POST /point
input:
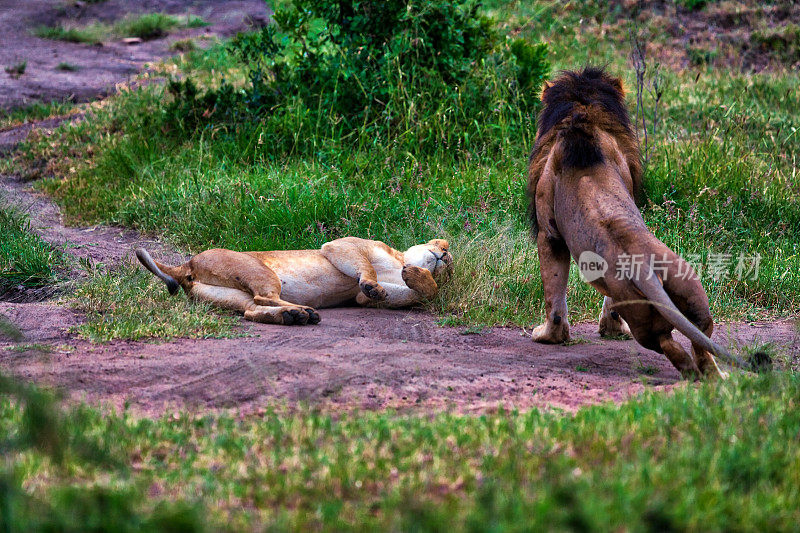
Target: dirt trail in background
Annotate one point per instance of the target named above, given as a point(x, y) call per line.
point(355, 358)
point(101, 244)
point(99, 67)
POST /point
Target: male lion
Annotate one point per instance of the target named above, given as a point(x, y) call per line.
point(284, 287)
point(583, 175)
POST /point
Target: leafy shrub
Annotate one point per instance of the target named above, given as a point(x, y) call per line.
point(692, 5)
point(420, 74)
point(783, 42)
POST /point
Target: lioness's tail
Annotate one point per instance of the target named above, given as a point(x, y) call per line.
point(159, 270)
point(656, 294)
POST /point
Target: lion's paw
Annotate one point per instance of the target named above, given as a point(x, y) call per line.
point(550, 333)
point(294, 316)
point(418, 279)
point(612, 325)
point(313, 316)
point(373, 290)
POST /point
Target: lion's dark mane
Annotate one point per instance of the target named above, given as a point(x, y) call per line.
point(565, 115)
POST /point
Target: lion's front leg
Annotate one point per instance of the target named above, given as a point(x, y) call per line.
point(417, 285)
point(554, 264)
point(351, 260)
point(611, 324)
point(420, 280)
point(271, 312)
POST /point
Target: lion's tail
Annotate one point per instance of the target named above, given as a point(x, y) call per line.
point(165, 273)
point(656, 294)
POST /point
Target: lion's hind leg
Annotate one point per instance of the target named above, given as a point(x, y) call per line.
point(242, 302)
point(227, 269)
point(554, 262)
point(681, 360)
point(611, 324)
point(704, 360)
point(349, 257)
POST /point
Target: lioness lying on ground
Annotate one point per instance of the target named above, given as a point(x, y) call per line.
point(583, 175)
point(284, 287)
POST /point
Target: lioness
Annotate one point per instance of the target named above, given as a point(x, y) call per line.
point(284, 287)
point(583, 175)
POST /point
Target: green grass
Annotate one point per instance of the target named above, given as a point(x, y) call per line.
point(183, 45)
point(146, 26)
point(129, 303)
point(67, 67)
point(33, 112)
point(17, 69)
point(717, 184)
point(91, 33)
point(712, 457)
point(194, 21)
point(25, 259)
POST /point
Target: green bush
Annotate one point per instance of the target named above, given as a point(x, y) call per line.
point(418, 74)
point(692, 5)
point(782, 42)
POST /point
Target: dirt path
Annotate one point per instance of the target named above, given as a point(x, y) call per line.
point(355, 358)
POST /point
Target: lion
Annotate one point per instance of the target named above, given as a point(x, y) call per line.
point(584, 180)
point(286, 287)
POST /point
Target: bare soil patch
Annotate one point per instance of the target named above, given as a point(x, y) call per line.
point(736, 34)
point(100, 244)
point(355, 358)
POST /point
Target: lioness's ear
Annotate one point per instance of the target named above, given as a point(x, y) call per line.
point(545, 87)
point(619, 86)
point(441, 243)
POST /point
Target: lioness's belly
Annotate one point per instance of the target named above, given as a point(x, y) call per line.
point(307, 278)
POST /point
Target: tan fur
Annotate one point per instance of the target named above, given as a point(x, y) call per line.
point(594, 209)
point(286, 287)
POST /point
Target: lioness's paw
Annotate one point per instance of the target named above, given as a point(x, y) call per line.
point(373, 290)
point(313, 316)
point(294, 317)
point(419, 279)
point(551, 333)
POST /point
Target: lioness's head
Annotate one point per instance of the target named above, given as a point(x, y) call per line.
point(433, 255)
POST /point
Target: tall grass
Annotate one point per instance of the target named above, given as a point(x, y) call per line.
point(90, 34)
point(25, 259)
point(146, 26)
point(127, 303)
point(224, 189)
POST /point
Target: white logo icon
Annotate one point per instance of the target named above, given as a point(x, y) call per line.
point(591, 266)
